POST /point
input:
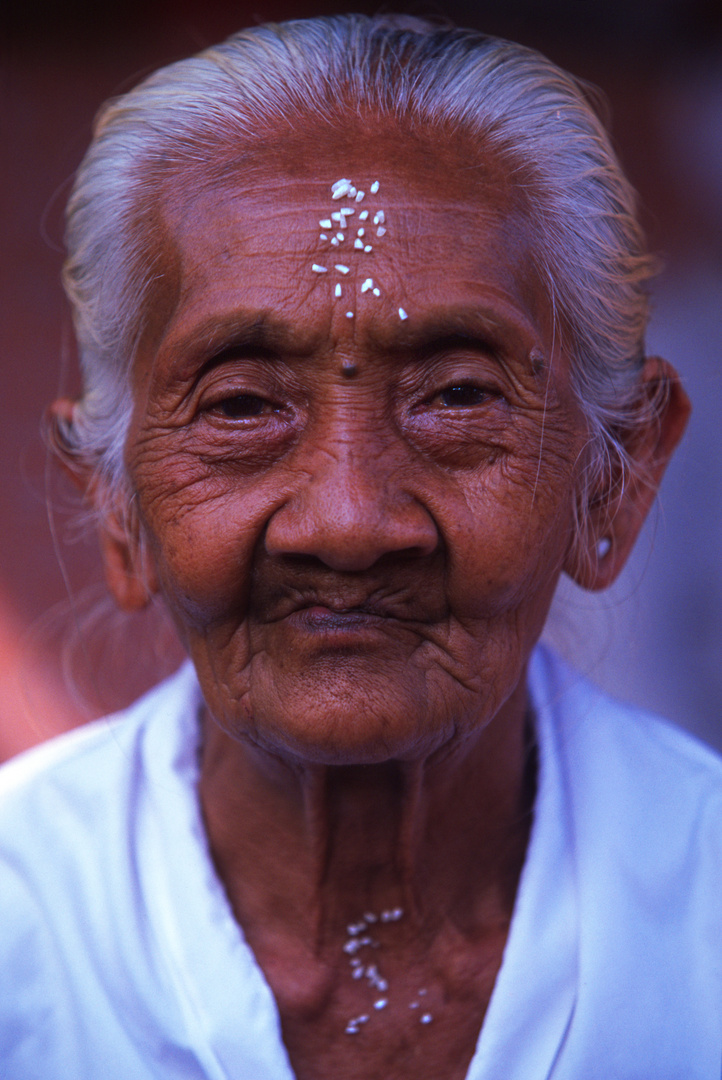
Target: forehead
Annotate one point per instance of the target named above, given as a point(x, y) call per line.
point(432, 224)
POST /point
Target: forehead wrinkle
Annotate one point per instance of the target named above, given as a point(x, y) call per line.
point(287, 213)
point(271, 221)
point(206, 281)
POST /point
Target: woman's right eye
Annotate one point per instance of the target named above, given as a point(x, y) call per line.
point(241, 406)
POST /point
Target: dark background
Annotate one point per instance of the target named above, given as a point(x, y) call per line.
point(657, 638)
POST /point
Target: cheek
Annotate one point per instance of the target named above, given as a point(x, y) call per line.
point(506, 545)
point(204, 537)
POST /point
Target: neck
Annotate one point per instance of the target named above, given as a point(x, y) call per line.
point(305, 849)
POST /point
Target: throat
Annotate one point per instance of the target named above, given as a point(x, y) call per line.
point(363, 823)
point(314, 847)
point(371, 895)
point(377, 898)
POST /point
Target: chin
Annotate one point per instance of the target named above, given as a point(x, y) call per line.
point(347, 730)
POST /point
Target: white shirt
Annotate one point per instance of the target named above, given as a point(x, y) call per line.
point(120, 958)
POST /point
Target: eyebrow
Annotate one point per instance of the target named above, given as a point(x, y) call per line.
point(263, 335)
point(216, 339)
point(471, 327)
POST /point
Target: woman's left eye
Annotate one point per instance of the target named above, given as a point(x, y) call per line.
point(462, 396)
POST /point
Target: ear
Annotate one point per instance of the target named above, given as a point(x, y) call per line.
point(614, 513)
point(128, 562)
point(129, 565)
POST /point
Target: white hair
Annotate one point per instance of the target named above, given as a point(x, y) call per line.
point(503, 97)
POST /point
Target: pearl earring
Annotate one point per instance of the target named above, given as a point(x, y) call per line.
point(604, 546)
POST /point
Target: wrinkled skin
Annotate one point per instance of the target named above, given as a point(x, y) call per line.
point(441, 527)
point(357, 525)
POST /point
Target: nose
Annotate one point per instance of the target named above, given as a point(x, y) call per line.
point(350, 510)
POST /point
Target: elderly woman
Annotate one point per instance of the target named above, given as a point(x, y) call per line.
point(361, 306)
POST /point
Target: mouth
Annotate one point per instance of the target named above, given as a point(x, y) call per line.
point(344, 606)
point(335, 604)
point(323, 617)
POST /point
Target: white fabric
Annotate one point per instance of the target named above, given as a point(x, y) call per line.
point(120, 959)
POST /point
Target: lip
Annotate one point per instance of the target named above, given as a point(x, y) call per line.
point(336, 605)
point(322, 617)
point(326, 607)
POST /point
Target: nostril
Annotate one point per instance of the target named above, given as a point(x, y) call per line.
point(348, 535)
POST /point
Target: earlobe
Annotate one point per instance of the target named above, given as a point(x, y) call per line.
point(129, 566)
point(612, 516)
point(128, 563)
point(59, 420)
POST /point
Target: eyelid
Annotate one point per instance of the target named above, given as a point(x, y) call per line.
point(489, 391)
point(488, 377)
point(228, 393)
point(268, 420)
point(250, 374)
point(210, 393)
point(252, 359)
point(270, 405)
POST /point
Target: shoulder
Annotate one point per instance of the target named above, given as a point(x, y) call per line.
point(75, 788)
point(579, 711)
point(75, 816)
point(626, 771)
point(112, 732)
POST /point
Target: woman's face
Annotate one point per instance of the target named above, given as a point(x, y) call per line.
point(357, 505)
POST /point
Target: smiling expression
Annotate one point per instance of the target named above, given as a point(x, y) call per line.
point(358, 522)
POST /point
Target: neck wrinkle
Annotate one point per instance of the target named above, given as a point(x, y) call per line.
point(305, 849)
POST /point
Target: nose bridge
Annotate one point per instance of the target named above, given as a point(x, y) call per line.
point(356, 478)
point(351, 505)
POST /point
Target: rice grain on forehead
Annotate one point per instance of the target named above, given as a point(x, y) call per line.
point(502, 96)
